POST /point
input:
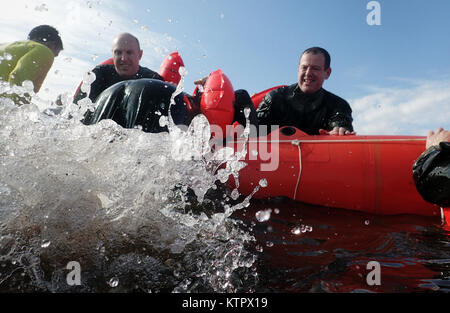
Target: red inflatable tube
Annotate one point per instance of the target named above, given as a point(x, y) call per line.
point(110, 61)
point(217, 102)
point(372, 174)
point(169, 69)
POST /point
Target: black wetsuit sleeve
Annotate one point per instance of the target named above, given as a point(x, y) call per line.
point(148, 73)
point(340, 114)
point(97, 86)
point(242, 101)
point(431, 173)
point(266, 111)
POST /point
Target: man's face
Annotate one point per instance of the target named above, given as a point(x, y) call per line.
point(311, 72)
point(126, 55)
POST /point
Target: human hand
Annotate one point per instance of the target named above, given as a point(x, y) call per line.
point(434, 138)
point(202, 81)
point(337, 131)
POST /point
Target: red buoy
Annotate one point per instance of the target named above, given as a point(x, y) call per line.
point(217, 102)
point(170, 66)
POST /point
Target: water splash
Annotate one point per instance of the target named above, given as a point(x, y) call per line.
point(125, 204)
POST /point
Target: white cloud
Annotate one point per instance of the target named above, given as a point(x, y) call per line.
point(87, 29)
point(403, 111)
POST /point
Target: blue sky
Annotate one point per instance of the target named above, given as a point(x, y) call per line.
point(396, 76)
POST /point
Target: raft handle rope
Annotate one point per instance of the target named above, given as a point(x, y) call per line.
point(297, 143)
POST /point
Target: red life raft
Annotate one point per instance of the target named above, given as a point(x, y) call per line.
point(363, 173)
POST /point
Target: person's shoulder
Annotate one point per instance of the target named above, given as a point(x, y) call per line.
point(15, 44)
point(282, 91)
point(104, 69)
point(145, 72)
point(39, 49)
point(334, 98)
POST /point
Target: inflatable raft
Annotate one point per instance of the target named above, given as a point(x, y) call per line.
point(372, 174)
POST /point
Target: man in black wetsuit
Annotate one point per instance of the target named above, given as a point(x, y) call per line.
point(126, 54)
point(431, 171)
point(306, 105)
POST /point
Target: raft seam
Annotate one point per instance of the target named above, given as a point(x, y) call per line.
point(339, 141)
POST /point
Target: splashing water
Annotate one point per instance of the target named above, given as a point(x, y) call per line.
point(137, 211)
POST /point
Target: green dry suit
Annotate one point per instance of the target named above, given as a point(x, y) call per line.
point(25, 60)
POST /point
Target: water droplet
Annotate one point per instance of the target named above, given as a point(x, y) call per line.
point(263, 215)
point(7, 56)
point(41, 8)
point(135, 21)
point(366, 222)
point(301, 229)
point(169, 20)
point(235, 194)
point(222, 16)
point(113, 282)
point(45, 243)
point(176, 273)
point(263, 182)
point(182, 71)
point(163, 121)
point(247, 112)
point(269, 244)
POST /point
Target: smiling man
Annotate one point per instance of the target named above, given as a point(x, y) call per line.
point(126, 56)
point(306, 105)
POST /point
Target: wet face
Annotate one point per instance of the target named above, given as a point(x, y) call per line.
point(126, 55)
point(312, 73)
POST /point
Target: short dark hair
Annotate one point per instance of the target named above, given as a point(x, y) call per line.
point(317, 50)
point(44, 34)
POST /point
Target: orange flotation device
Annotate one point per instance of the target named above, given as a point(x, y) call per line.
point(169, 69)
point(258, 97)
point(110, 61)
point(217, 102)
point(372, 174)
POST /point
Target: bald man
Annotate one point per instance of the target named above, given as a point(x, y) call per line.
point(126, 55)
